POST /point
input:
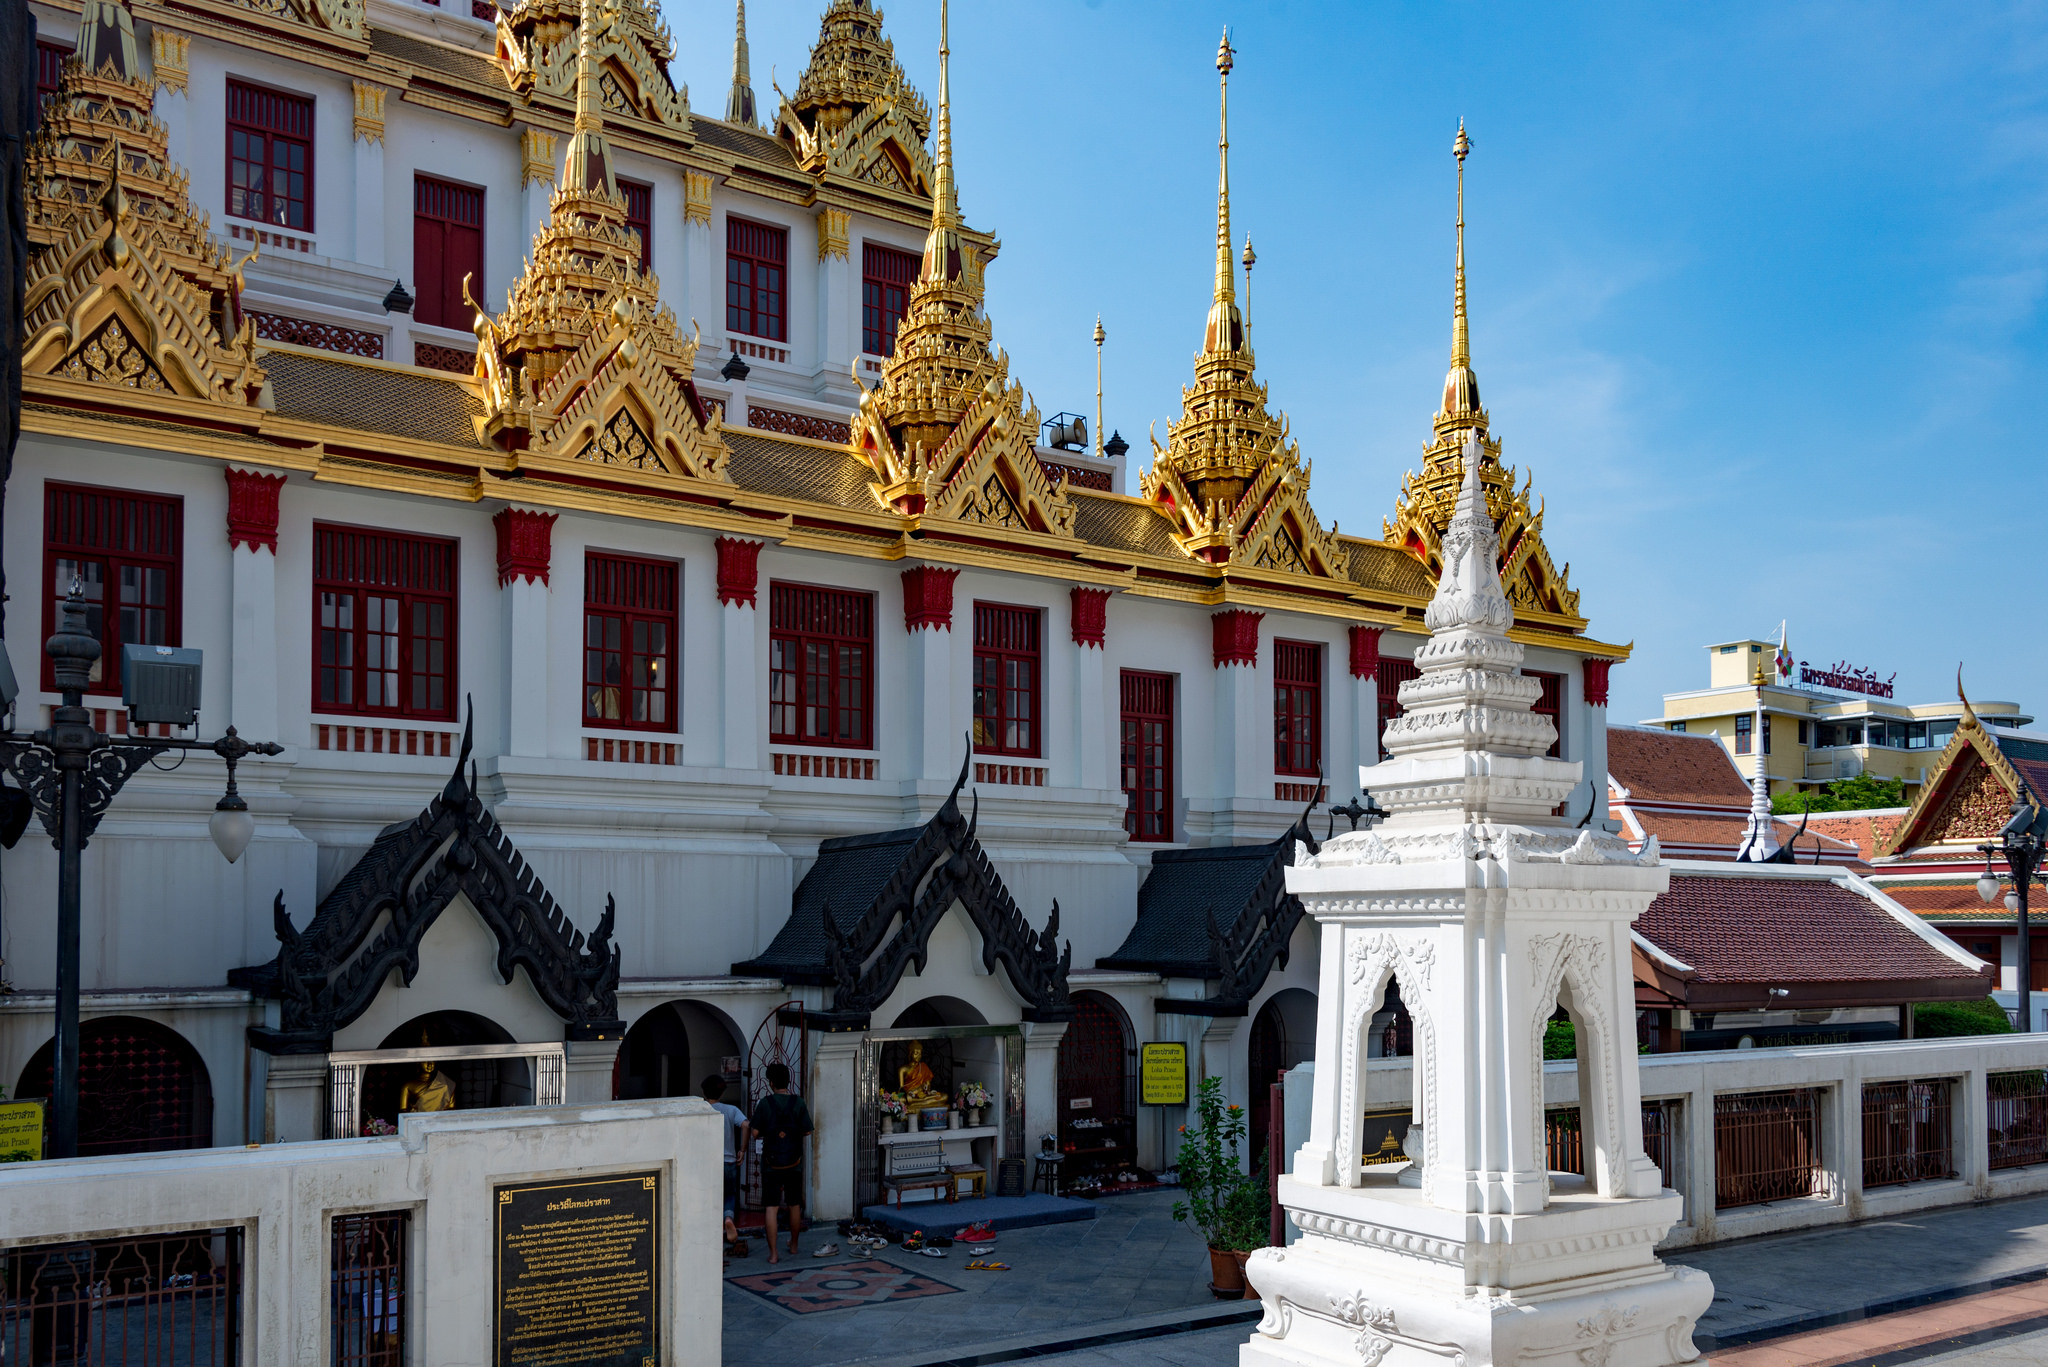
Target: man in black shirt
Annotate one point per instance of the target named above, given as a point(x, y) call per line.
point(781, 1122)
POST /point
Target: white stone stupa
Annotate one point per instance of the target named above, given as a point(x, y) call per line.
point(1492, 912)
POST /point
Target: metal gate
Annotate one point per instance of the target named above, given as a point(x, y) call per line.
point(781, 1039)
point(160, 1298)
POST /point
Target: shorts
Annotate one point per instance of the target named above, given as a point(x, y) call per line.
point(732, 1188)
point(782, 1186)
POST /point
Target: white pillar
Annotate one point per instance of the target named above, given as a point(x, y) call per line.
point(702, 297)
point(368, 203)
point(1041, 1080)
point(252, 656)
point(740, 685)
point(1243, 735)
point(587, 1070)
point(830, 1094)
point(837, 318)
point(928, 616)
point(525, 555)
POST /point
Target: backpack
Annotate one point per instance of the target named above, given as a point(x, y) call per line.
point(782, 1122)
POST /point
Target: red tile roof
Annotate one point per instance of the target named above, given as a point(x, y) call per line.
point(1659, 766)
point(1923, 897)
point(1685, 836)
point(1861, 829)
point(1787, 930)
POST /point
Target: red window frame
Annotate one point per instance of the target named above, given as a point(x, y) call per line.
point(447, 244)
point(1145, 754)
point(886, 277)
point(1550, 703)
point(113, 537)
point(1297, 708)
point(384, 623)
point(270, 155)
point(629, 642)
point(1007, 720)
point(49, 68)
point(1393, 672)
point(640, 217)
point(757, 279)
point(821, 674)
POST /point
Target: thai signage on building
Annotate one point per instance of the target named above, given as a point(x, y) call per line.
point(1847, 678)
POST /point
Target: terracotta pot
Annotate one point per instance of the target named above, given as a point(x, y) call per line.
point(1251, 1293)
point(1226, 1274)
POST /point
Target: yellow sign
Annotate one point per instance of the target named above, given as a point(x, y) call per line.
point(1163, 1074)
point(21, 1131)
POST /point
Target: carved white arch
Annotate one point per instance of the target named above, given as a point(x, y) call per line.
point(1371, 960)
point(1557, 960)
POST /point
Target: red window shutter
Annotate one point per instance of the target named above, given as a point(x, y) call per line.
point(820, 666)
point(1297, 708)
point(1550, 703)
point(629, 645)
point(1146, 754)
point(1393, 673)
point(640, 217)
point(886, 277)
point(1006, 675)
point(384, 612)
point(448, 243)
point(127, 551)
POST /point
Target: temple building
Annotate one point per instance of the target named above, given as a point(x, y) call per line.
point(686, 652)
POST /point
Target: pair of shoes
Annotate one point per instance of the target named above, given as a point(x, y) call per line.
point(939, 1241)
point(913, 1241)
point(826, 1251)
point(981, 1248)
point(987, 1265)
point(871, 1242)
point(980, 1232)
point(738, 1248)
point(933, 1252)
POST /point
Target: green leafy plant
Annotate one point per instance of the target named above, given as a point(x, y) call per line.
point(1229, 1206)
point(1857, 794)
point(1560, 1040)
point(1941, 1020)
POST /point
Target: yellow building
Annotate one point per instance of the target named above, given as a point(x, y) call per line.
point(1820, 723)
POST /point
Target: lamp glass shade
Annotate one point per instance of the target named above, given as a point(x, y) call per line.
point(2012, 901)
point(232, 829)
point(1987, 888)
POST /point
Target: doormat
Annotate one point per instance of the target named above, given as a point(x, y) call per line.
point(840, 1286)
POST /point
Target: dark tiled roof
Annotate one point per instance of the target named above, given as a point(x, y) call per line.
point(1660, 766)
point(472, 68)
point(2030, 757)
point(1171, 935)
point(1787, 930)
point(743, 142)
point(1376, 565)
point(1120, 524)
point(425, 406)
point(850, 874)
point(791, 469)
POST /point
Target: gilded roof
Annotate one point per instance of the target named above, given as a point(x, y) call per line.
point(426, 405)
point(1389, 569)
point(791, 469)
point(1125, 523)
point(472, 68)
point(744, 142)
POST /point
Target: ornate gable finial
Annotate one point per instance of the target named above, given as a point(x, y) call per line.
point(947, 432)
point(540, 51)
point(739, 105)
point(1423, 508)
point(126, 286)
point(854, 113)
point(584, 362)
point(1230, 479)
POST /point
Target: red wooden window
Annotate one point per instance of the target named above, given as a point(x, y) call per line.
point(886, 275)
point(1005, 680)
point(640, 217)
point(49, 68)
point(1297, 708)
point(1147, 754)
point(1392, 674)
point(270, 156)
point(384, 639)
point(629, 634)
point(125, 550)
point(821, 666)
point(1550, 703)
point(447, 244)
point(756, 264)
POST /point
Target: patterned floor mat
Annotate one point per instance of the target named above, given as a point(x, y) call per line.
point(840, 1286)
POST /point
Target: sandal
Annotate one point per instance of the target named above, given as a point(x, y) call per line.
point(826, 1251)
point(987, 1265)
point(933, 1252)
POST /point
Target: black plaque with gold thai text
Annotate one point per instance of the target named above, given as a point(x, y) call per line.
point(579, 1272)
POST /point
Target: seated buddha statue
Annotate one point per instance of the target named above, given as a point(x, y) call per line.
point(914, 1082)
point(430, 1091)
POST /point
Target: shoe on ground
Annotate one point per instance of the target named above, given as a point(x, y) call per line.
point(987, 1265)
point(981, 1248)
point(825, 1251)
point(933, 1252)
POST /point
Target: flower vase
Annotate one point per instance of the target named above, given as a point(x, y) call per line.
point(953, 1120)
point(974, 1117)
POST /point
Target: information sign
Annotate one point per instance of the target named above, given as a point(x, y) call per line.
point(1163, 1074)
point(21, 1131)
point(579, 1272)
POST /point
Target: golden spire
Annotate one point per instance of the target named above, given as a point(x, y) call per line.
point(587, 167)
point(739, 105)
point(942, 258)
point(1461, 386)
point(1225, 331)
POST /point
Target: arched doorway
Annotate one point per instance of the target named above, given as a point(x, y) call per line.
point(1283, 1035)
point(933, 1012)
point(671, 1049)
point(141, 1087)
point(480, 1083)
point(1098, 1128)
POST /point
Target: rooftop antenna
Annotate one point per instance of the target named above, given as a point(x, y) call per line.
point(1099, 334)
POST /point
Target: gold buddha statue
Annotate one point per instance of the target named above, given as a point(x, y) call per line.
point(430, 1091)
point(914, 1082)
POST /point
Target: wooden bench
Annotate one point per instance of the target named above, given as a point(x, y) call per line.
point(917, 1167)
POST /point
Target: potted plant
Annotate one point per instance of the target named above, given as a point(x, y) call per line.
point(975, 1098)
point(1228, 1205)
point(893, 1112)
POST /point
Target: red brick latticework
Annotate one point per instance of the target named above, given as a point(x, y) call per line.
point(434, 356)
point(739, 574)
point(1365, 652)
point(1596, 682)
point(525, 544)
point(1077, 476)
point(928, 597)
point(1236, 638)
point(252, 509)
point(279, 327)
point(1091, 616)
point(799, 425)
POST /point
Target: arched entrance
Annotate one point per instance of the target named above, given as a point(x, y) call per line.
point(1283, 1035)
point(480, 1083)
point(141, 1087)
point(670, 1050)
point(1098, 1126)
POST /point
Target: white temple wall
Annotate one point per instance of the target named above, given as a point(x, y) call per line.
point(458, 972)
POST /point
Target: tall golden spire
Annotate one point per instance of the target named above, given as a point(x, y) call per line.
point(587, 167)
point(739, 105)
point(1225, 331)
point(942, 259)
point(1461, 386)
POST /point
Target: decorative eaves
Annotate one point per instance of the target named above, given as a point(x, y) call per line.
point(537, 51)
point(854, 113)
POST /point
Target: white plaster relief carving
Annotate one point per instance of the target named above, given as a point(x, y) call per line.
point(1373, 961)
point(1373, 1323)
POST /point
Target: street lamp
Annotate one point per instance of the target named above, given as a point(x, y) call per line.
point(2021, 842)
point(70, 774)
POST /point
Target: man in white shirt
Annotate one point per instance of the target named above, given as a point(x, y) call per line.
point(735, 1122)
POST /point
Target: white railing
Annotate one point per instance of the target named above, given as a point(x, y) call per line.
point(345, 1075)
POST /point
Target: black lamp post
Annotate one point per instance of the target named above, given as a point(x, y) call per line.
point(2021, 842)
point(69, 774)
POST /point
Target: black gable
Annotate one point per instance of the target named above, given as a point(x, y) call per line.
point(850, 874)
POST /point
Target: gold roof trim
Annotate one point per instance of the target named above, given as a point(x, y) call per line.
point(538, 51)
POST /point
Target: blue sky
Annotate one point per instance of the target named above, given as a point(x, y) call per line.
point(1756, 289)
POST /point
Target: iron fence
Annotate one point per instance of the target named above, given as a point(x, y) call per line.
point(1564, 1144)
point(1660, 1137)
point(368, 1272)
point(1907, 1135)
point(1767, 1147)
point(2016, 1106)
point(150, 1301)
